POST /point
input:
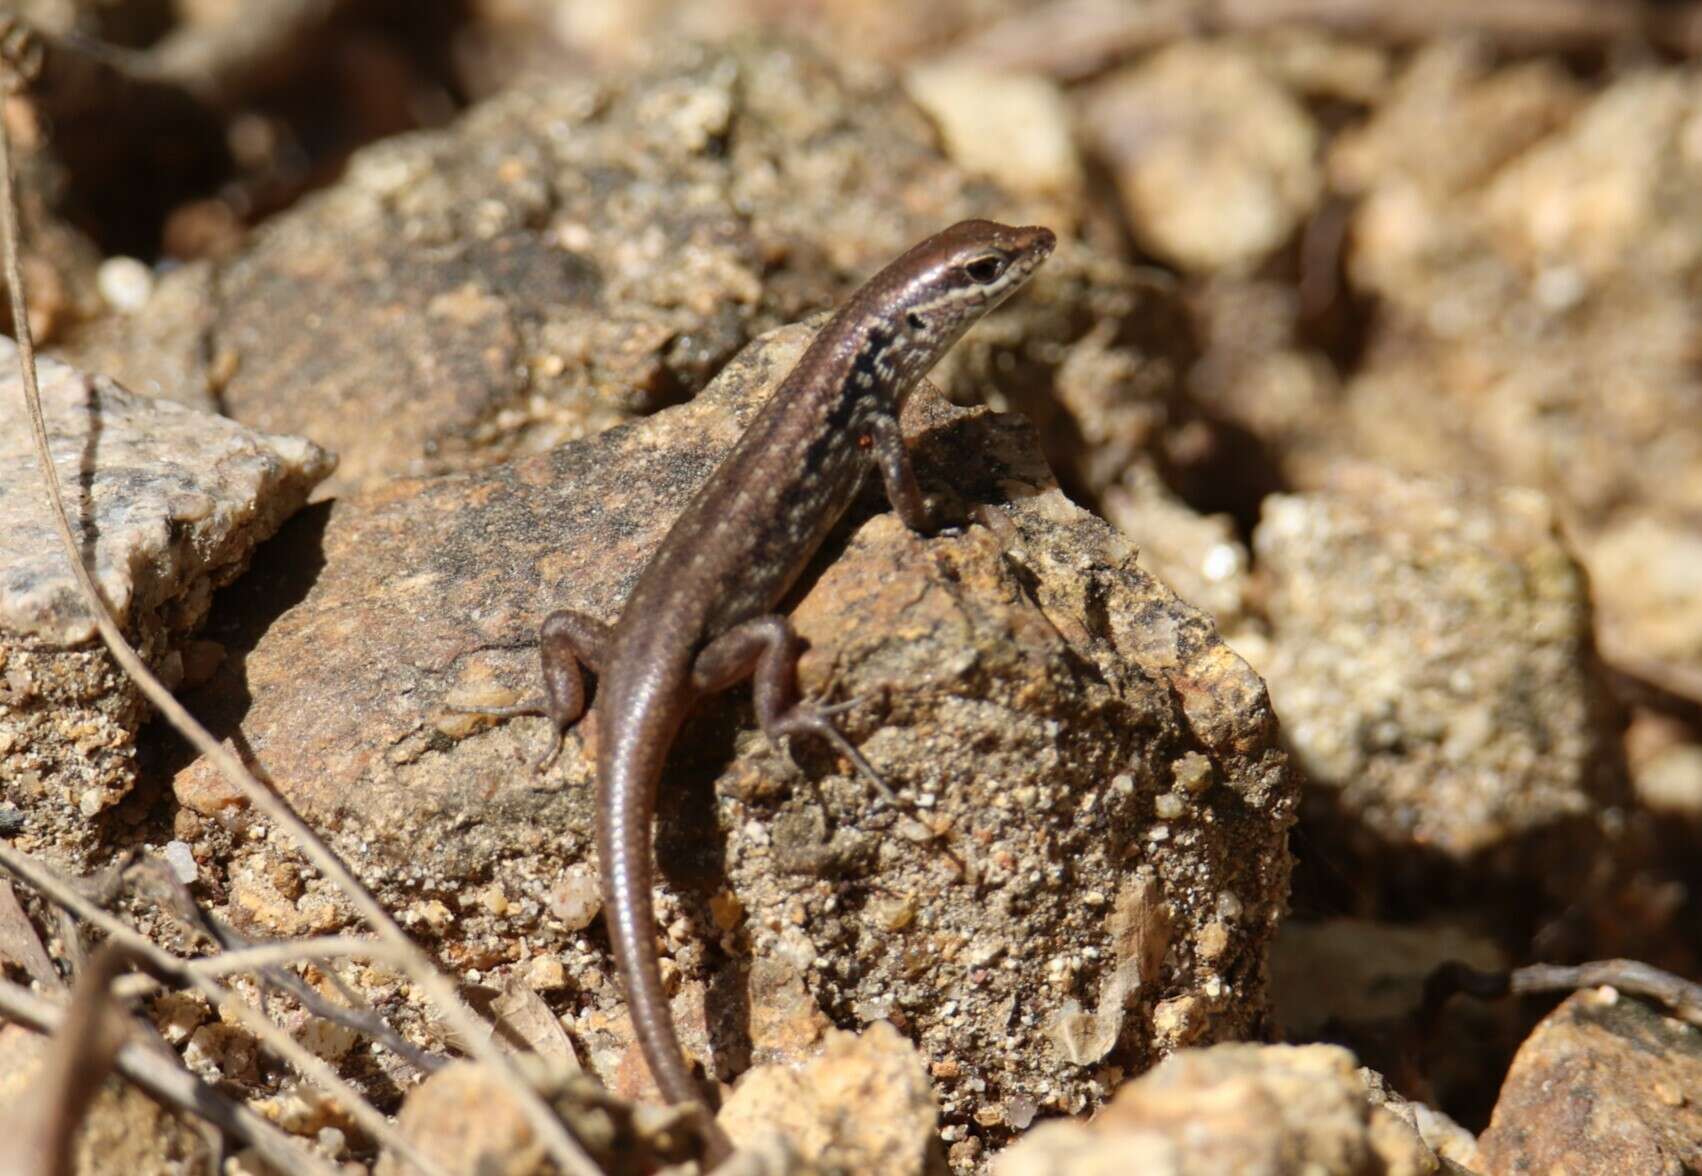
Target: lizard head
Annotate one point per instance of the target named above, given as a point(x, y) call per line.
point(942, 286)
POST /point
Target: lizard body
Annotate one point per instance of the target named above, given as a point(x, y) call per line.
point(701, 615)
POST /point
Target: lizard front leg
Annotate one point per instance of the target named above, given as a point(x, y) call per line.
point(766, 649)
point(892, 458)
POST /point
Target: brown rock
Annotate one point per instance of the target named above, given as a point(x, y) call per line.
point(123, 1131)
point(1199, 557)
point(1014, 127)
point(1666, 771)
point(1033, 695)
point(1453, 1144)
point(1215, 162)
point(1605, 1084)
point(469, 1123)
point(531, 38)
point(1233, 1108)
point(1532, 250)
point(862, 1105)
point(1432, 658)
point(158, 348)
point(571, 255)
point(175, 502)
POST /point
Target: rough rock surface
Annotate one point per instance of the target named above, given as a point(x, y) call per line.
point(1101, 857)
point(172, 503)
point(1216, 163)
point(159, 348)
point(124, 1130)
point(1014, 127)
point(470, 1122)
point(1234, 1108)
point(863, 1105)
point(1529, 247)
point(568, 256)
point(1533, 273)
point(1604, 1084)
point(1432, 659)
point(1199, 557)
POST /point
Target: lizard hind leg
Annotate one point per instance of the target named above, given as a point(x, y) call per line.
point(766, 650)
point(567, 641)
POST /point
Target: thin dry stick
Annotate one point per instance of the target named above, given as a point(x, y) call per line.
point(157, 959)
point(164, 1078)
point(553, 1133)
point(43, 1125)
point(259, 956)
point(357, 1015)
point(271, 955)
point(1552, 25)
point(1683, 997)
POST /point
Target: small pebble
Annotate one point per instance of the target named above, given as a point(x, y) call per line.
point(181, 861)
point(125, 283)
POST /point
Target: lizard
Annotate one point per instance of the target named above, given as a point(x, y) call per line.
point(701, 616)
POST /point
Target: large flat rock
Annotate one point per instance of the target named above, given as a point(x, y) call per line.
point(170, 504)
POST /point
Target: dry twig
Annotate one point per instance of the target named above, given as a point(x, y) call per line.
point(356, 1015)
point(43, 1125)
point(164, 1079)
point(1075, 39)
point(162, 963)
point(1683, 997)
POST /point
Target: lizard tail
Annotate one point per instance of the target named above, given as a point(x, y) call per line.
point(627, 778)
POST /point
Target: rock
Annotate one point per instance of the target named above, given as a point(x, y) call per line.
point(1453, 1144)
point(1451, 120)
point(1431, 656)
point(176, 502)
point(1322, 65)
point(530, 38)
point(862, 1105)
point(571, 255)
point(1040, 698)
point(1269, 395)
point(1013, 127)
point(1655, 614)
point(1199, 557)
point(469, 1123)
point(123, 1131)
point(1669, 781)
point(1216, 163)
point(1604, 1084)
point(1233, 1108)
point(1532, 251)
point(159, 351)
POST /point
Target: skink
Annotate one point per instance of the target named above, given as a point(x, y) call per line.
point(701, 616)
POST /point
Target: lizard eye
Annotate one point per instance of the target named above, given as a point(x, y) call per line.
point(986, 270)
